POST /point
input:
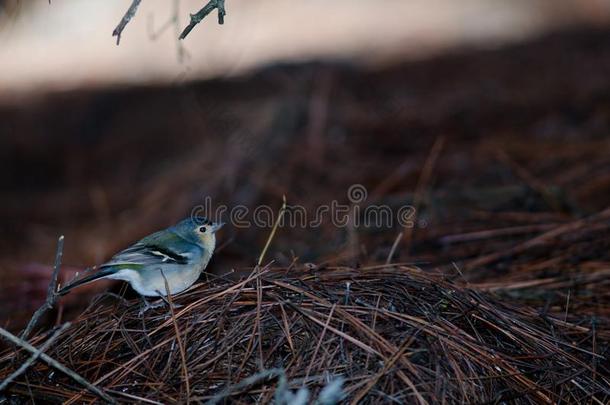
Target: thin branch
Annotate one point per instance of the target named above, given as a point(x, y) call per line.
point(55, 364)
point(51, 292)
point(34, 357)
point(201, 14)
point(131, 12)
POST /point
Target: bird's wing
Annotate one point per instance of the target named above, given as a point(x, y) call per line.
point(158, 248)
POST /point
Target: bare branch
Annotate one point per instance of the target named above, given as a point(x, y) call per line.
point(195, 18)
point(131, 12)
point(201, 14)
point(51, 292)
point(34, 357)
point(55, 364)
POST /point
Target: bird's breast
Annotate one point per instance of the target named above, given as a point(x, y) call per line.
point(150, 282)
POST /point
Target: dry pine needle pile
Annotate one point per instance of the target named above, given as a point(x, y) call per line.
point(392, 333)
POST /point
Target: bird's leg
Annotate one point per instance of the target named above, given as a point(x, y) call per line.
point(169, 304)
point(147, 305)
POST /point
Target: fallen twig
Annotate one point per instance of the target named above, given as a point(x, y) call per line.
point(54, 363)
point(51, 292)
point(34, 357)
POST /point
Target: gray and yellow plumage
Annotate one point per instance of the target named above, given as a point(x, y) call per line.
point(180, 253)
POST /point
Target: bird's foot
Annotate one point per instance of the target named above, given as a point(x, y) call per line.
point(159, 303)
point(147, 305)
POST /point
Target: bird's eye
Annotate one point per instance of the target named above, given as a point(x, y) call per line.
point(202, 229)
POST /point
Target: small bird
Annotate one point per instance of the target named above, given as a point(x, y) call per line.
point(177, 254)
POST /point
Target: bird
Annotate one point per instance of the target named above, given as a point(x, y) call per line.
point(178, 254)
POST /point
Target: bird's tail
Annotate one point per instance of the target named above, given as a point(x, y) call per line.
point(85, 280)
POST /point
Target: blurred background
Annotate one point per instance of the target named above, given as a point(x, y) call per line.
point(486, 115)
point(67, 44)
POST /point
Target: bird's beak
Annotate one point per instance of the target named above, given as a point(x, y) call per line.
point(217, 226)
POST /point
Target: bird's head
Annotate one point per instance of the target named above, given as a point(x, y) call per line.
point(199, 230)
